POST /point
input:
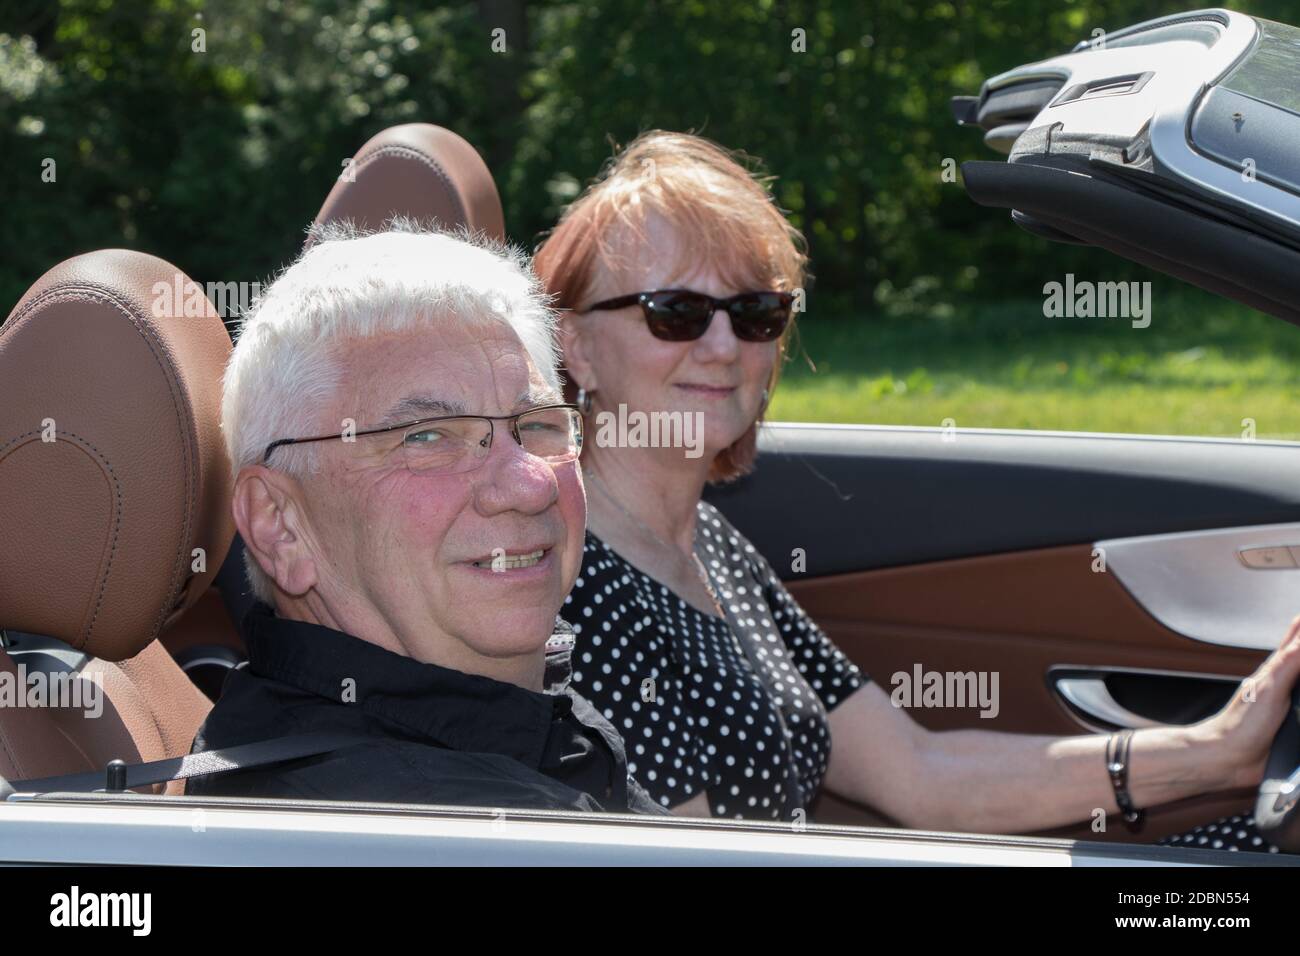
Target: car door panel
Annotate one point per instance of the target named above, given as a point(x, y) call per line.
point(856, 497)
point(1021, 616)
point(978, 555)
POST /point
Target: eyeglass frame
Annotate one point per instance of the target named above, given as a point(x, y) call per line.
point(490, 419)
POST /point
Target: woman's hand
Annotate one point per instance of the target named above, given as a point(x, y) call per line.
point(1244, 729)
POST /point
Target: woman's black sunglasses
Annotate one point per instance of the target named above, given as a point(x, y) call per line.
point(680, 315)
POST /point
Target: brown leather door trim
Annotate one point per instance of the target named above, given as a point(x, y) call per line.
point(1018, 614)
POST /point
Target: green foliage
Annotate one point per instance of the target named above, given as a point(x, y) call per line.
point(217, 160)
point(1201, 368)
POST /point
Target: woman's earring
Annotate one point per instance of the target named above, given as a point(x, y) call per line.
point(763, 407)
point(584, 401)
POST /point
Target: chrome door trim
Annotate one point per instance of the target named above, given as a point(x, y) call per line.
point(132, 829)
point(1195, 583)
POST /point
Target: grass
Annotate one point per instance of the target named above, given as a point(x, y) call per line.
point(1201, 367)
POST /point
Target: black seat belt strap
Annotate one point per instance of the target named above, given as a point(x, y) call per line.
point(242, 757)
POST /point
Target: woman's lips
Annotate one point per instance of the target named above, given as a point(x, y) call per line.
point(709, 391)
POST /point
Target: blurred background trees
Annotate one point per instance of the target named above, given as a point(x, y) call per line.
point(216, 160)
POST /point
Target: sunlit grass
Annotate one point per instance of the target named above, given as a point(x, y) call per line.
point(1202, 368)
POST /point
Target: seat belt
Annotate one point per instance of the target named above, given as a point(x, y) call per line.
point(117, 776)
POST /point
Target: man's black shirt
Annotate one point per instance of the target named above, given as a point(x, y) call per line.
point(439, 735)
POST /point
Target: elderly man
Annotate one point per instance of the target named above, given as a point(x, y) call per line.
point(409, 496)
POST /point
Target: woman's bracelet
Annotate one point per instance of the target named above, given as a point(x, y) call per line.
point(1118, 746)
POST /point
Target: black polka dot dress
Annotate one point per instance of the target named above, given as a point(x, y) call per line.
point(737, 713)
point(1235, 833)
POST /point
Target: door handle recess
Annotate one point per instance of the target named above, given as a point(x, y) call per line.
point(1091, 696)
point(1107, 698)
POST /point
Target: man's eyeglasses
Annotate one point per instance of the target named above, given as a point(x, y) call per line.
point(452, 444)
point(681, 315)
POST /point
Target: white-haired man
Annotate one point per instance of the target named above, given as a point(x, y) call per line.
point(408, 493)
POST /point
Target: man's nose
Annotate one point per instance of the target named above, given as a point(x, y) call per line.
point(719, 342)
point(511, 479)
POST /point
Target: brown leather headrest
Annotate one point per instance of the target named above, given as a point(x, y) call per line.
point(421, 171)
point(112, 468)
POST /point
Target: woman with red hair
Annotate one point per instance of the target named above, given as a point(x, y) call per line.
point(679, 279)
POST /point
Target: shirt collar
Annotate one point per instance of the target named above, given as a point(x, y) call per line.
point(464, 712)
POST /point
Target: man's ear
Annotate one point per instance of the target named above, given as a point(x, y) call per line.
point(577, 360)
point(271, 524)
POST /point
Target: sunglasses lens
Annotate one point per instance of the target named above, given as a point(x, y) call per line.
point(678, 316)
point(760, 316)
point(685, 316)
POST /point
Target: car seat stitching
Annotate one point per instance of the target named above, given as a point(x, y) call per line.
point(89, 291)
point(407, 152)
point(117, 520)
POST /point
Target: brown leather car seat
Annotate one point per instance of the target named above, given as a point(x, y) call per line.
point(114, 504)
point(421, 171)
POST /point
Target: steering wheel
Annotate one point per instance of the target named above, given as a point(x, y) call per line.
point(1277, 808)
